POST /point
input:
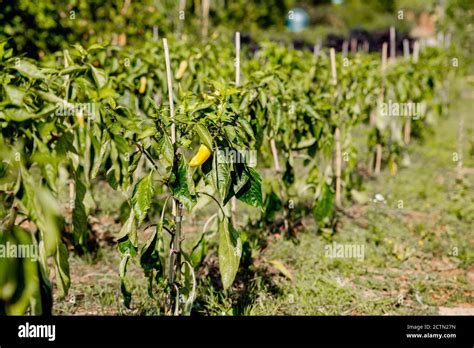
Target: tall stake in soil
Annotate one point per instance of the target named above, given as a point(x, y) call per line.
point(233, 201)
point(337, 138)
point(175, 249)
point(332, 53)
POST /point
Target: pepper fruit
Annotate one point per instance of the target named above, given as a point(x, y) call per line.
point(142, 88)
point(80, 119)
point(202, 155)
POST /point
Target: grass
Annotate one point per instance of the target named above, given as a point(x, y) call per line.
point(418, 252)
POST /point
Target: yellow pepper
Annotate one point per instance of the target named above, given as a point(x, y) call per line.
point(142, 88)
point(80, 119)
point(202, 155)
point(181, 70)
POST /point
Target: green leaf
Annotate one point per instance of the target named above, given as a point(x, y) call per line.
point(99, 76)
point(179, 186)
point(204, 135)
point(150, 257)
point(124, 285)
point(142, 197)
point(323, 207)
point(28, 69)
point(221, 176)
point(17, 114)
point(79, 216)
point(15, 95)
point(61, 267)
point(199, 251)
point(167, 150)
point(230, 251)
point(128, 231)
point(251, 192)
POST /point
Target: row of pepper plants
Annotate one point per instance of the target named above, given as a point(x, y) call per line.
point(81, 116)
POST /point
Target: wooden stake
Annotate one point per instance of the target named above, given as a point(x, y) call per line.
point(416, 51)
point(407, 131)
point(156, 33)
point(378, 158)
point(345, 48)
point(176, 242)
point(72, 194)
point(393, 48)
point(276, 162)
point(332, 52)
point(316, 49)
point(366, 46)
point(237, 58)
point(384, 57)
point(237, 83)
point(353, 45)
point(406, 49)
point(337, 138)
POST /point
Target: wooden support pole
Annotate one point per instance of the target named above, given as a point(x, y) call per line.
point(407, 131)
point(353, 45)
point(176, 210)
point(393, 43)
point(406, 49)
point(337, 138)
point(332, 53)
point(416, 51)
point(345, 48)
point(237, 83)
point(378, 158)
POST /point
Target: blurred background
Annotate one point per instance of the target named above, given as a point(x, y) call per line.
point(37, 27)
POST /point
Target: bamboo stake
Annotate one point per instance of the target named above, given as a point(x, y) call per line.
point(317, 48)
point(176, 210)
point(237, 83)
point(72, 194)
point(384, 56)
point(156, 33)
point(276, 162)
point(353, 45)
point(337, 138)
point(378, 158)
point(366, 46)
point(332, 52)
point(406, 49)
point(416, 51)
point(345, 48)
point(407, 131)
point(237, 58)
point(393, 48)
